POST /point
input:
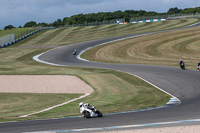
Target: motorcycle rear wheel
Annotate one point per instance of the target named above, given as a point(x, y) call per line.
point(99, 113)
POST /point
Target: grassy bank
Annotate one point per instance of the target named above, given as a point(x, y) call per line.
point(65, 36)
point(156, 49)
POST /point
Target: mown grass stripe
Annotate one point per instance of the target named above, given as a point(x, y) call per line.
point(53, 34)
point(156, 49)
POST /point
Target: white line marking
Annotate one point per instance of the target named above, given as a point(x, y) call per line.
point(36, 58)
point(47, 109)
point(173, 97)
point(119, 127)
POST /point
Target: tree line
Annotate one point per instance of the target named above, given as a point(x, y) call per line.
point(105, 16)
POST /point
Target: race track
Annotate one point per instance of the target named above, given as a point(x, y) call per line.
point(183, 84)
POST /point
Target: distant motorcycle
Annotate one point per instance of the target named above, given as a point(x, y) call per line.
point(89, 111)
point(75, 52)
point(182, 64)
point(198, 66)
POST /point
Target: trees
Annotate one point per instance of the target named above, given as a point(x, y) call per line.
point(186, 10)
point(30, 24)
point(107, 16)
point(43, 24)
point(127, 14)
point(191, 10)
point(8, 27)
point(65, 21)
point(57, 23)
point(174, 10)
point(34, 24)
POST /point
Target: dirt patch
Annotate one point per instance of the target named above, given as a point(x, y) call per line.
point(43, 84)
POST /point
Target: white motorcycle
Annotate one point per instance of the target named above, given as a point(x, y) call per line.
point(89, 111)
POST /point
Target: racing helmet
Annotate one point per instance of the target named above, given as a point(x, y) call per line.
point(81, 104)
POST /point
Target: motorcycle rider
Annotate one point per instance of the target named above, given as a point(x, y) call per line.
point(198, 66)
point(89, 111)
point(182, 64)
point(75, 51)
point(86, 105)
point(89, 107)
point(80, 104)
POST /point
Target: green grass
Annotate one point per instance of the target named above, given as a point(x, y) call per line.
point(65, 36)
point(121, 89)
point(16, 31)
point(163, 49)
point(16, 104)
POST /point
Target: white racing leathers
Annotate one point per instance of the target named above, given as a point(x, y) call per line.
point(90, 111)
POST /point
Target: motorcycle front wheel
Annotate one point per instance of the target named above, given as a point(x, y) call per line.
point(86, 114)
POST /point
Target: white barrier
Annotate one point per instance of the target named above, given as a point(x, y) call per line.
point(7, 40)
point(10, 39)
point(154, 20)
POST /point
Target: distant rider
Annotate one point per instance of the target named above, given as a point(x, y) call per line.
point(198, 66)
point(75, 51)
point(182, 64)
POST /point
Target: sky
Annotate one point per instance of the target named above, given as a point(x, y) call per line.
point(18, 12)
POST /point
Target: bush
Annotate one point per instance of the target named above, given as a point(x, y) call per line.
point(9, 27)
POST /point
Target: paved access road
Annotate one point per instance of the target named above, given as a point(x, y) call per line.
point(183, 84)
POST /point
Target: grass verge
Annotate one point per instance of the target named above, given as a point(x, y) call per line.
point(13, 105)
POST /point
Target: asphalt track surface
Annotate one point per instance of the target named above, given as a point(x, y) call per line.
point(183, 84)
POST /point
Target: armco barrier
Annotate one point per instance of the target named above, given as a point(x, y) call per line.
point(154, 20)
point(12, 41)
point(122, 23)
point(6, 39)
